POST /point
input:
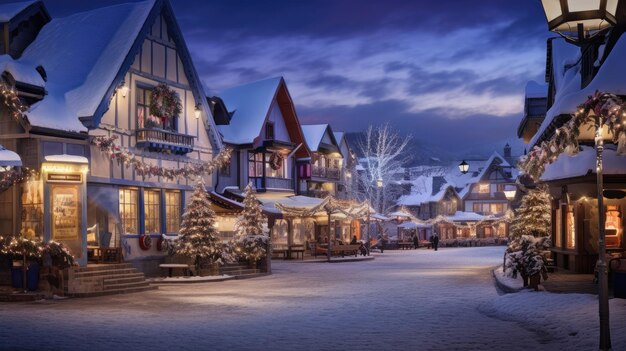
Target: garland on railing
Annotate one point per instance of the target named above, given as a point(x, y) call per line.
point(123, 156)
point(612, 113)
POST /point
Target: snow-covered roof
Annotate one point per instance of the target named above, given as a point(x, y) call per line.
point(413, 225)
point(460, 216)
point(10, 10)
point(609, 79)
point(313, 135)
point(82, 54)
point(584, 163)
point(66, 159)
point(9, 158)
point(422, 186)
point(378, 216)
point(249, 105)
point(399, 214)
point(21, 71)
point(536, 90)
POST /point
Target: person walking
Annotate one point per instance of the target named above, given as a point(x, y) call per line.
point(416, 242)
point(435, 242)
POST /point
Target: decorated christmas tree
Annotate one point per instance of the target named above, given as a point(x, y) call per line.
point(250, 238)
point(198, 238)
point(533, 215)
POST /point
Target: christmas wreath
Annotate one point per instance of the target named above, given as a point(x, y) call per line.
point(145, 241)
point(165, 102)
point(276, 161)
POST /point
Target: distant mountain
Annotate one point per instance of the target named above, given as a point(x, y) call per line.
point(432, 155)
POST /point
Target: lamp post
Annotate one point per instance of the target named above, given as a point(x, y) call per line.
point(579, 22)
point(463, 167)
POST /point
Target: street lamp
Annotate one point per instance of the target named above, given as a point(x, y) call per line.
point(463, 167)
point(509, 192)
point(578, 21)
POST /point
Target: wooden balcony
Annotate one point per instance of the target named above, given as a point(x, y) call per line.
point(161, 140)
point(326, 172)
point(272, 183)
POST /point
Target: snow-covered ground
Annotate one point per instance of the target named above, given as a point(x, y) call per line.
point(402, 300)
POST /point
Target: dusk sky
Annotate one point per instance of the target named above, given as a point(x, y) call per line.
point(451, 73)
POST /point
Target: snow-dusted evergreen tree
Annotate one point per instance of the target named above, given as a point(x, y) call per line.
point(526, 256)
point(250, 238)
point(533, 215)
point(198, 238)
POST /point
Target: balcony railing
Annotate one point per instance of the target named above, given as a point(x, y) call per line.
point(278, 183)
point(163, 140)
point(325, 172)
point(272, 183)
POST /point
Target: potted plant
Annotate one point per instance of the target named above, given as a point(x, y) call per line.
point(26, 255)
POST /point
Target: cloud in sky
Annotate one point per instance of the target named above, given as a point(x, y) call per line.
point(437, 69)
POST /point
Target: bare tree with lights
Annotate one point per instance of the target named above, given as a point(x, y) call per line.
point(384, 153)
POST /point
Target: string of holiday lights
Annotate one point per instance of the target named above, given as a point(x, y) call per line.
point(612, 114)
point(125, 157)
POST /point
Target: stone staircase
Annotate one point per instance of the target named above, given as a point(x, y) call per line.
point(240, 271)
point(105, 279)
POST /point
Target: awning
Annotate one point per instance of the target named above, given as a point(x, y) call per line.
point(9, 159)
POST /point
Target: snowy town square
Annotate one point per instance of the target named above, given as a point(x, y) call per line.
point(403, 300)
point(312, 175)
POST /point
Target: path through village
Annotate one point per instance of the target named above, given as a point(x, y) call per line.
point(402, 300)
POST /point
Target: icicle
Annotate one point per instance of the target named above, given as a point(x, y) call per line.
point(621, 144)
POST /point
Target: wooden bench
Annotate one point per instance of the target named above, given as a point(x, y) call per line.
point(405, 245)
point(426, 243)
point(338, 250)
point(170, 267)
point(298, 250)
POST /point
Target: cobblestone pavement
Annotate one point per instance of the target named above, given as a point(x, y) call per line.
point(402, 300)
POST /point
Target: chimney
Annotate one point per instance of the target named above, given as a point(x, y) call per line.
point(507, 151)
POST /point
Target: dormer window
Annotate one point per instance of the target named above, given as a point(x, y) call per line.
point(269, 131)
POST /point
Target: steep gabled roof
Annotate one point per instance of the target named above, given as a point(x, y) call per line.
point(314, 134)
point(250, 105)
point(82, 54)
point(86, 56)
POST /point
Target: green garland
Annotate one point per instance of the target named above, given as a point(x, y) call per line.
point(612, 114)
